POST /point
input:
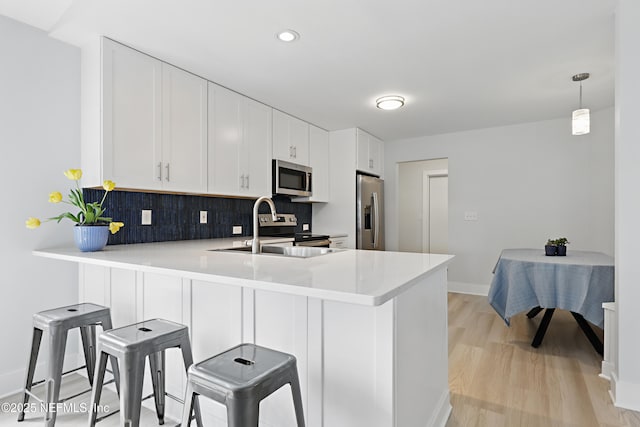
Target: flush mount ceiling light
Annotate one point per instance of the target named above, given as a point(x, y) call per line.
point(580, 119)
point(287, 36)
point(391, 102)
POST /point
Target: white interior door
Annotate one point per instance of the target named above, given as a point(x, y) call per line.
point(435, 213)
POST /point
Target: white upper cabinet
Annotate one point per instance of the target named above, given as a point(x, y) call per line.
point(319, 162)
point(370, 151)
point(132, 114)
point(153, 123)
point(184, 131)
point(290, 138)
point(239, 144)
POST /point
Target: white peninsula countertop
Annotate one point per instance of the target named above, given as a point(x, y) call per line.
point(353, 276)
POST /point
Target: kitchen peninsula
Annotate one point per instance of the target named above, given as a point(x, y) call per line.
point(369, 328)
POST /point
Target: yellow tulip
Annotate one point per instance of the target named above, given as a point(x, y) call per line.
point(108, 185)
point(115, 226)
point(73, 174)
point(55, 197)
point(32, 223)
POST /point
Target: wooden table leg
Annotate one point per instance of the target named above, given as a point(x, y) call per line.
point(534, 312)
point(542, 329)
point(591, 336)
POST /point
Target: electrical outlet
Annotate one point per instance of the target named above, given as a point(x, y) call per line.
point(237, 229)
point(203, 217)
point(305, 227)
point(471, 216)
point(146, 217)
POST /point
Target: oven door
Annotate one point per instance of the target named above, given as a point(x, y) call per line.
point(323, 243)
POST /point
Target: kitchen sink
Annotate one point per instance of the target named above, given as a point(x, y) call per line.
point(287, 251)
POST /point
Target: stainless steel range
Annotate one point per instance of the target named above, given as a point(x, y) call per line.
point(285, 226)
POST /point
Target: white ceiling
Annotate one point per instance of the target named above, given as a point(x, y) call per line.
point(461, 64)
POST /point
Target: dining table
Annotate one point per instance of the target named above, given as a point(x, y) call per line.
point(528, 280)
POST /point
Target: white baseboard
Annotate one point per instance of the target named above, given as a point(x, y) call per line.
point(468, 288)
point(625, 395)
point(440, 417)
point(13, 382)
point(606, 370)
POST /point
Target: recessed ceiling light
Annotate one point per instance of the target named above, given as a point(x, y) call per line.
point(287, 36)
point(391, 102)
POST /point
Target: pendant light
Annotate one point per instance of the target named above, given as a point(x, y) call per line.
point(580, 120)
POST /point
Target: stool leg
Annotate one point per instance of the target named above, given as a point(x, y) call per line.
point(57, 344)
point(88, 334)
point(157, 368)
point(187, 357)
point(242, 413)
point(297, 397)
point(96, 391)
point(187, 409)
point(106, 325)
point(131, 389)
point(33, 358)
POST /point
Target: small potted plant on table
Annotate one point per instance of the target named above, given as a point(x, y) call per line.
point(562, 243)
point(551, 248)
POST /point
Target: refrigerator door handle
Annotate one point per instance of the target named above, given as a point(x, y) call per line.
point(376, 219)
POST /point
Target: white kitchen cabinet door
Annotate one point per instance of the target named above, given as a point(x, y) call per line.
point(369, 156)
point(225, 138)
point(239, 144)
point(290, 138)
point(184, 131)
point(255, 154)
point(132, 112)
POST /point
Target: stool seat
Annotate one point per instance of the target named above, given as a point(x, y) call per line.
point(240, 378)
point(71, 316)
point(146, 337)
point(132, 345)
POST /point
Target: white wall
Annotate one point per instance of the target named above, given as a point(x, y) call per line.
point(626, 376)
point(410, 203)
point(528, 182)
point(39, 133)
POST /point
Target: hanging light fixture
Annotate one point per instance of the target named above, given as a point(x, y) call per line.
point(580, 120)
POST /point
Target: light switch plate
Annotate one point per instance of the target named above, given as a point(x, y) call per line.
point(237, 229)
point(146, 217)
point(305, 227)
point(203, 217)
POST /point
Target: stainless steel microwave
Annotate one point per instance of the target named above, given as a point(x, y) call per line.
point(291, 179)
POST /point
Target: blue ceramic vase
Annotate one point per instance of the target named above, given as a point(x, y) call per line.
point(91, 238)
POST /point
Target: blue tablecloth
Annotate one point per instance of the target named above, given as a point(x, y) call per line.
point(526, 278)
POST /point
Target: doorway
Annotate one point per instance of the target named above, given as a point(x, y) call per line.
point(435, 212)
point(423, 206)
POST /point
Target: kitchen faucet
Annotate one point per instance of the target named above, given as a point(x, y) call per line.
point(255, 244)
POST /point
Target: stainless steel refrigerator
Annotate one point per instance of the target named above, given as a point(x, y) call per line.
point(370, 213)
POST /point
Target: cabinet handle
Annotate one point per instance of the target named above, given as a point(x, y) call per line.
point(167, 167)
point(371, 163)
point(295, 152)
point(159, 171)
point(247, 181)
point(291, 151)
point(242, 181)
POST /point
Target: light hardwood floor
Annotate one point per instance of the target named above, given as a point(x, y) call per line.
point(74, 414)
point(497, 379)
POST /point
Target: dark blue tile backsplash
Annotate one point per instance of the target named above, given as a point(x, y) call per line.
point(177, 217)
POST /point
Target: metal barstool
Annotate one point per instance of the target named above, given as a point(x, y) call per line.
point(240, 378)
point(56, 323)
point(131, 345)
